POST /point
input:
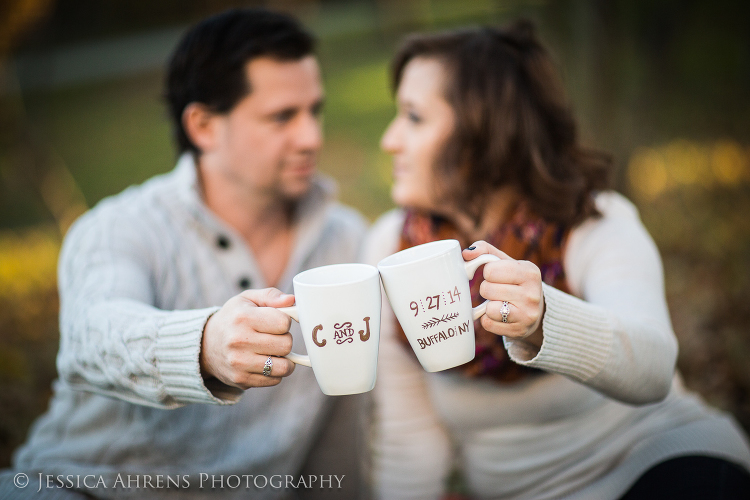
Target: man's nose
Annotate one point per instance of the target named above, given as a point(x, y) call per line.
point(309, 132)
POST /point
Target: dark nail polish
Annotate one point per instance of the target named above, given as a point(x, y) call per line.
point(471, 248)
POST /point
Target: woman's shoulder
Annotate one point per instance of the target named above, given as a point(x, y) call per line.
point(615, 235)
point(383, 236)
point(616, 213)
point(612, 204)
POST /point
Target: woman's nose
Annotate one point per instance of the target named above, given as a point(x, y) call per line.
point(390, 142)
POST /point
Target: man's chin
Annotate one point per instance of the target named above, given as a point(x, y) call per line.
point(294, 191)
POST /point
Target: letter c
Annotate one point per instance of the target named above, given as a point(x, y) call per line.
point(315, 336)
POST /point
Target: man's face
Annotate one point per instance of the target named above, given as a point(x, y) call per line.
point(269, 142)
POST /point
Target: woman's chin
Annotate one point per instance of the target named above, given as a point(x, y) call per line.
point(408, 199)
point(403, 197)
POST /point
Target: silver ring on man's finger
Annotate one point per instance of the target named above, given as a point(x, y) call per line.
point(505, 311)
point(267, 367)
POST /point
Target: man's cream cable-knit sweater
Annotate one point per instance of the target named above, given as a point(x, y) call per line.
point(139, 275)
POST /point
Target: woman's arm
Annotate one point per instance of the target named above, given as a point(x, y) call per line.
point(618, 339)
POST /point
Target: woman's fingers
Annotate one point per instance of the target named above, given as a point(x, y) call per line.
point(519, 295)
point(481, 247)
point(517, 283)
point(512, 272)
point(499, 292)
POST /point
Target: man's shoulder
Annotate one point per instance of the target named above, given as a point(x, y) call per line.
point(134, 199)
point(138, 206)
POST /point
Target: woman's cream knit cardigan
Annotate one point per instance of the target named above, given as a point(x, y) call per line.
point(609, 408)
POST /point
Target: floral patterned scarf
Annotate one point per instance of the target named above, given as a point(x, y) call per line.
point(525, 236)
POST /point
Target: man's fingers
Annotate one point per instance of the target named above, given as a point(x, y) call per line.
point(264, 320)
point(247, 370)
point(269, 344)
point(273, 345)
point(247, 358)
point(238, 339)
point(280, 367)
point(268, 297)
point(248, 380)
point(256, 380)
point(481, 247)
point(260, 310)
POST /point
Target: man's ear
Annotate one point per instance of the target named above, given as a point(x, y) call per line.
point(200, 124)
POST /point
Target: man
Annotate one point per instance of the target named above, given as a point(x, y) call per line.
point(153, 368)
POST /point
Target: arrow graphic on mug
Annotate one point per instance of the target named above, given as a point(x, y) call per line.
point(435, 321)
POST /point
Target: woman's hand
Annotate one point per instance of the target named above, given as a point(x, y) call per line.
point(517, 282)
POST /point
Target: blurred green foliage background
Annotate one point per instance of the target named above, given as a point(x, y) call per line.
point(662, 84)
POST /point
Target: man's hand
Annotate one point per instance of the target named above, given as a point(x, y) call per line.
point(240, 336)
point(518, 282)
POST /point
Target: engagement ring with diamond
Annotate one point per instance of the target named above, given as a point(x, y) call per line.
point(505, 311)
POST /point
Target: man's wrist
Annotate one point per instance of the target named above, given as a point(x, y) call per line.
point(203, 362)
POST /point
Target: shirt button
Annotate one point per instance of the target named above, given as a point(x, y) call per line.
point(245, 283)
point(222, 241)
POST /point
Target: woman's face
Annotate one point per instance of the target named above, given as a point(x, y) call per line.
point(416, 136)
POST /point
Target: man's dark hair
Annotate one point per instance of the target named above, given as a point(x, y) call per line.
point(208, 65)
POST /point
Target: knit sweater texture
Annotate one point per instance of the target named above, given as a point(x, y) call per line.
point(609, 407)
point(139, 275)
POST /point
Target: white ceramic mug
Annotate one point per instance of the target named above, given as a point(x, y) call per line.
point(338, 309)
point(428, 288)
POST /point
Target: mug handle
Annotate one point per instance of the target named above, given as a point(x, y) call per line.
point(293, 356)
point(471, 267)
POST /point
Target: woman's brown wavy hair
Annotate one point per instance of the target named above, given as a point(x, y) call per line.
point(512, 123)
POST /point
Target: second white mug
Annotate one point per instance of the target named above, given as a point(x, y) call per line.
point(428, 288)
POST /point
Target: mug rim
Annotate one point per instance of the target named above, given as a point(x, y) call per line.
point(369, 271)
point(444, 247)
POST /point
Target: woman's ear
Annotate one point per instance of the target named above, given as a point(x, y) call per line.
point(200, 124)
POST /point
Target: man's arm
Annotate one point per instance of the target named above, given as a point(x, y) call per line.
point(115, 342)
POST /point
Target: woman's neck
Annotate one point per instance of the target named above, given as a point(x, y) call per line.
point(497, 210)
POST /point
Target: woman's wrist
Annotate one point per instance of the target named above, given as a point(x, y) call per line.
point(535, 339)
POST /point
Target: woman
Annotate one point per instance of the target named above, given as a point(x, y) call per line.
point(575, 395)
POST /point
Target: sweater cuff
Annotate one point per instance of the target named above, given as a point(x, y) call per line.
point(577, 338)
point(178, 346)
